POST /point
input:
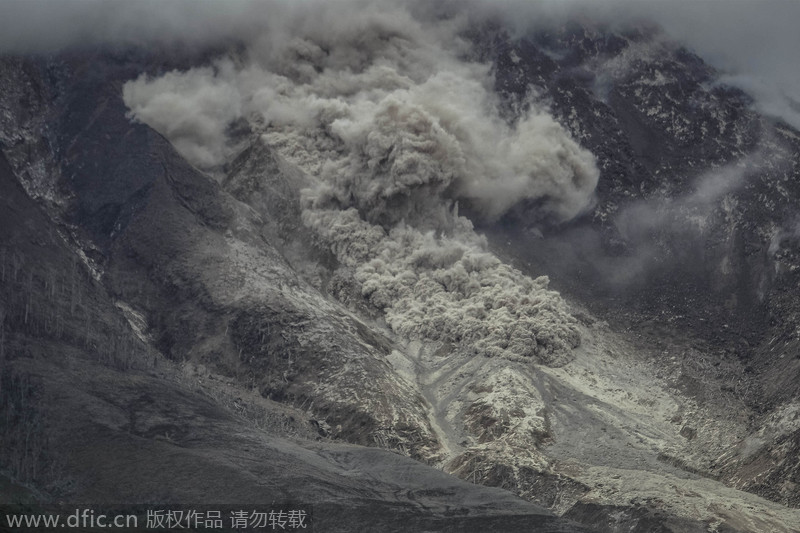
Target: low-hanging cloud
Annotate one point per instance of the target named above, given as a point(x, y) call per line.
point(45, 26)
point(753, 42)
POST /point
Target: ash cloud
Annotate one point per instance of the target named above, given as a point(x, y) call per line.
point(387, 112)
point(450, 289)
point(382, 107)
point(192, 109)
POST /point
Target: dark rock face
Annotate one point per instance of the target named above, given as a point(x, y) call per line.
point(152, 314)
point(708, 253)
point(695, 218)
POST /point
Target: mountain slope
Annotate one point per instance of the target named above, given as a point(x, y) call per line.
point(95, 412)
point(229, 318)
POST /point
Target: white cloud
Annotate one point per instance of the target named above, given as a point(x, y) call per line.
point(754, 41)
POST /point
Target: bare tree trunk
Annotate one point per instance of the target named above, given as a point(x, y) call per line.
point(88, 325)
point(2, 337)
point(72, 288)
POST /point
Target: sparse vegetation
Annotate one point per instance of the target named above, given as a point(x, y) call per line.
point(46, 303)
point(27, 453)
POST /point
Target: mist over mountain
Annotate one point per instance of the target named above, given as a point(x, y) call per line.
point(752, 42)
point(432, 267)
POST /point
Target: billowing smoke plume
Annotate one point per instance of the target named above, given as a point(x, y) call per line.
point(380, 106)
point(450, 288)
point(396, 124)
point(193, 109)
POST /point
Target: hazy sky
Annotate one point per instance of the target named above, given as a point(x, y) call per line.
point(755, 41)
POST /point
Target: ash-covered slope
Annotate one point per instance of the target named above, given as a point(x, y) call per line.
point(317, 280)
point(100, 403)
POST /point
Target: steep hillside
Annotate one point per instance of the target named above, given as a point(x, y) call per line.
point(101, 401)
point(316, 272)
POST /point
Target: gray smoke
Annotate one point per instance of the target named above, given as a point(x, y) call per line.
point(450, 288)
point(382, 107)
point(688, 214)
point(193, 109)
point(384, 111)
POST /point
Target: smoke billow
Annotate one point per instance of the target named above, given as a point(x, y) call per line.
point(381, 107)
point(193, 109)
point(394, 121)
point(449, 288)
